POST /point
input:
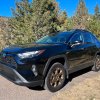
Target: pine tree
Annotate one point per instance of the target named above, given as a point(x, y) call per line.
point(20, 28)
point(63, 21)
point(81, 15)
point(97, 12)
point(81, 10)
point(32, 20)
point(94, 24)
point(45, 17)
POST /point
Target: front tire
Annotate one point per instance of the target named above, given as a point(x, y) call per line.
point(96, 66)
point(55, 78)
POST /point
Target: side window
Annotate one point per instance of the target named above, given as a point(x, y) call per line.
point(87, 38)
point(76, 37)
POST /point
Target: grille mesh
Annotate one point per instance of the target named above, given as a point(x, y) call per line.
point(7, 59)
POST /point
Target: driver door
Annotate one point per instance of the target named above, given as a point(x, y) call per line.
point(77, 54)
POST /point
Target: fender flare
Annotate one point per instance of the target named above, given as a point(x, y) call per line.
point(66, 65)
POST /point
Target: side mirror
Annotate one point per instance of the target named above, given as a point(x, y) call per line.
point(75, 43)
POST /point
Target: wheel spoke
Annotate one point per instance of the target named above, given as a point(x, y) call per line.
point(59, 83)
point(56, 77)
point(55, 84)
point(98, 63)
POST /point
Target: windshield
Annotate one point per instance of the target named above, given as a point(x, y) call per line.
point(57, 38)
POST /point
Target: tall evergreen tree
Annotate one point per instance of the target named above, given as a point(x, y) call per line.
point(81, 15)
point(20, 23)
point(97, 12)
point(63, 21)
point(32, 20)
point(44, 18)
point(94, 24)
point(81, 10)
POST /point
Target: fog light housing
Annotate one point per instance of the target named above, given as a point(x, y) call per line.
point(34, 70)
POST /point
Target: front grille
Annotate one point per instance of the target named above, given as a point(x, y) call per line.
point(7, 59)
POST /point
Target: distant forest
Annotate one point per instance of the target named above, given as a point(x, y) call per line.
point(32, 20)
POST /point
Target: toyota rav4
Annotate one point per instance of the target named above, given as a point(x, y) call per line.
point(51, 59)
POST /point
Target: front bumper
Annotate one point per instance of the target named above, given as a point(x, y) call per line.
point(12, 74)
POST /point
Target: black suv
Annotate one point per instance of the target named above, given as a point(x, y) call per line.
point(50, 60)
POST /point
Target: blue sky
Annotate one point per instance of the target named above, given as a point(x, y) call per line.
point(67, 5)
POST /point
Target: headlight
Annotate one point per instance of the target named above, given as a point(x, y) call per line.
point(30, 54)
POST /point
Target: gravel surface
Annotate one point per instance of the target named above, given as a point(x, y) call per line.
point(84, 87)
point(10, 91)
point(74, 89)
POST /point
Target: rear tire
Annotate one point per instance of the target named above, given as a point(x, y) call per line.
point(55, 78)
point(96, 66)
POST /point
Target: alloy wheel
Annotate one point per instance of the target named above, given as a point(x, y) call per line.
point(57, 77)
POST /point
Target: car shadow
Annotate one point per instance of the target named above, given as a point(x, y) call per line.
point(76, 74)
point(37, 88)
point(73, 75)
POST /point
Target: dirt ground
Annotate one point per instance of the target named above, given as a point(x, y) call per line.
point(83, 85)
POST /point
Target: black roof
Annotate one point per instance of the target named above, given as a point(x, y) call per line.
point(72, 31)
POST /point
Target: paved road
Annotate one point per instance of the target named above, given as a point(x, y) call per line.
point(10, 91)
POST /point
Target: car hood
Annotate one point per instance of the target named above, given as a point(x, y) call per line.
point(28, 47)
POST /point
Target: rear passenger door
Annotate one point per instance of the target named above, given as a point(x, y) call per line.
point(89, 46)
